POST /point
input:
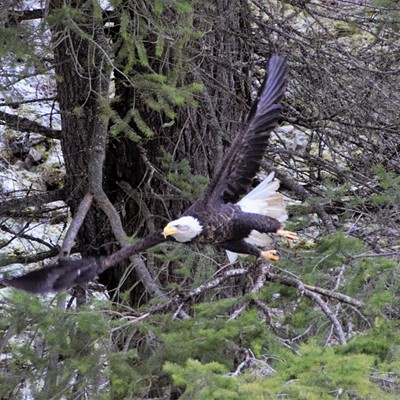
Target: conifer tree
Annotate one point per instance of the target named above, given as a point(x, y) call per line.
point(150, 93)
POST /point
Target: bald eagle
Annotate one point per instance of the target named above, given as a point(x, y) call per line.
point(219, 217)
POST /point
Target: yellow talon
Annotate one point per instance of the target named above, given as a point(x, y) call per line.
point(269, 255)
point(289, 236)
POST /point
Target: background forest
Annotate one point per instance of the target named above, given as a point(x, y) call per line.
point(135, 101)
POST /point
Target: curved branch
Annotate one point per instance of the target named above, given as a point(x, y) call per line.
point(75, 225)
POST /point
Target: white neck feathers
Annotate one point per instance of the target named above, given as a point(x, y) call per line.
point(187, 228)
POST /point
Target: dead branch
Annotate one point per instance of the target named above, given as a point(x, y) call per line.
point(294, 282)
point(75, 225)
point(33, 258)
point(23, 235)
point(16, 104)
point(36, 200)
point(258, 284)
point(23, 124)
point(291, 184)
point(217, 281)
point(15, 17)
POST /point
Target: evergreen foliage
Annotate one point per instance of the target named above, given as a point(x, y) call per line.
point(260, 332)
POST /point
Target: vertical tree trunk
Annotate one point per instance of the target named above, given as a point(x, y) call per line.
point(220, 62)
point(82, 83)
point(198, 135)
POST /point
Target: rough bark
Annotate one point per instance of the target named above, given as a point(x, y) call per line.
point(82, 81)
point(198, 135)
point(142, 196)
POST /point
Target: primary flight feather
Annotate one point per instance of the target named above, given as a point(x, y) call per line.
point(217, 217)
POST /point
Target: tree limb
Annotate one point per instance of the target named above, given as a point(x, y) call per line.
point(75, 225)
point(23, 124)
point(36, 200)
point(290, 183)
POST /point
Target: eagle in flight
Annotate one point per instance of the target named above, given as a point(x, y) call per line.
point(220, 216)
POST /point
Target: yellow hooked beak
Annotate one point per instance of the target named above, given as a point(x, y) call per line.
point(170, 230)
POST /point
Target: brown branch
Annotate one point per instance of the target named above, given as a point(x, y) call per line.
point(32, 258)
point(23, 124)
point(291, 184)
point(75, 225)
point(23, 235)
point(99, 142)
point(36, 200)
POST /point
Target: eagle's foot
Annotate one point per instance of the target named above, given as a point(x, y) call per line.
point(269, 255)
point(288, 235)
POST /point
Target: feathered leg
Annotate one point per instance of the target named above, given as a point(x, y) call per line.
point(262, 224)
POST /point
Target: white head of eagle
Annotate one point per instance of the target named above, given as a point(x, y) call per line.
point(183, 229)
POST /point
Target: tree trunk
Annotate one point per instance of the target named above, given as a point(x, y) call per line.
point(221, 63)
point(82, 83)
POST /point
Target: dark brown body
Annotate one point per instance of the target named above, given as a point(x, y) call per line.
point(230, 226)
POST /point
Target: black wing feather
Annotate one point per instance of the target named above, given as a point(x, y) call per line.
point(242, 161)
point(66, 273)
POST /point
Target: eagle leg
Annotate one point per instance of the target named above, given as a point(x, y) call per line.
point(269, 255)
point(288, 235)
point(243, 247)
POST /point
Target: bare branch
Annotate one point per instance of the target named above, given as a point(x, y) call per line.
point(32, 258)
point(217, 281)
point(23, 235)
point(23, 124)
point(15, 17)
point(294, 282)
point(16, 104)
point(258, 284)
point(328, 312)
point(36, 200)
point(75, 225)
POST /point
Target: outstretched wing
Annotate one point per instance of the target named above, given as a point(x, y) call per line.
point(66, 273)
point(56, 277)
point(242, 161)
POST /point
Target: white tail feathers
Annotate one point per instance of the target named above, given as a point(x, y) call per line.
point(232, 257)
point(265, 200)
